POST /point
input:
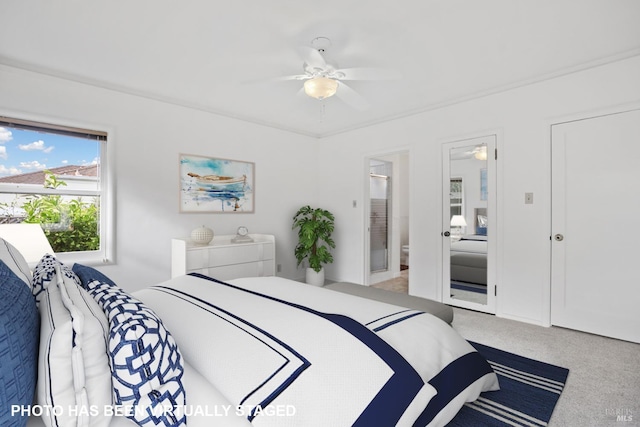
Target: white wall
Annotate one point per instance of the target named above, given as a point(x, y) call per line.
point(148, 136)
point(521, 118)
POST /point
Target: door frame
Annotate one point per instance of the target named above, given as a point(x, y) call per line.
point(553, 225)
point(385, 273)
point(493, 275)
point(366, 208)
point(559, 120)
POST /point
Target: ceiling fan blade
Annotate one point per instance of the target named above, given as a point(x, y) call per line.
point(368, 74)
point(295, 77)
point(351, 97)
point(267, 80)
point(313, 58)
point(462, 155)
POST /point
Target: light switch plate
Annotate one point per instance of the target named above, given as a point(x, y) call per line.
point(528, 198)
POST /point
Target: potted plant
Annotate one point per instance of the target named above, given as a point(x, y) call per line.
point(315, 227)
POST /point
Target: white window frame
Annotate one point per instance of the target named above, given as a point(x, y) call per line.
point(106, 253)
point(451, 196)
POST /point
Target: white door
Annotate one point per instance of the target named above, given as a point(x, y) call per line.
point(595, 266)
point(469, 223)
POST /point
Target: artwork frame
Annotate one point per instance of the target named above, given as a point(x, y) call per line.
point(483, 184)
point(216, 185)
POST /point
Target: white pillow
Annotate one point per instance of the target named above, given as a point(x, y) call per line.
point(97, 371)
point(74, 372)
point(15, 261)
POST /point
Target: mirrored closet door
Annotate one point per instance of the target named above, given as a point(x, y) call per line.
point(468, 228)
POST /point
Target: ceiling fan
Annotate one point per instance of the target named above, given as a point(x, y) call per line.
point(479, 152)
point(323, 80)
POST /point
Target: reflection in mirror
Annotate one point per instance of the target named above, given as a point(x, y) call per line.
point(468, 222)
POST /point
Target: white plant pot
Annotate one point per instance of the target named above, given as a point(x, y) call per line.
point(313, 278)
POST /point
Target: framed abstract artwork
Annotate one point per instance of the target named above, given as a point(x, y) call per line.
point(209, 184)
point(483, 184)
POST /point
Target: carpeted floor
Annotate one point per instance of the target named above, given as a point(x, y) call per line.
point(603, 388)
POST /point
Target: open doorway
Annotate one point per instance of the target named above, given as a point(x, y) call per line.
point(380, 214)
point(387, 212)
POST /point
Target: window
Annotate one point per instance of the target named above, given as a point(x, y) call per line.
point(456, 196)
point(55, 176)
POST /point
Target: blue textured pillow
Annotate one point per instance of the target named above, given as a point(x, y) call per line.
point(15, 261)
point(146, 364)
point(89, 274)
point(19, 333)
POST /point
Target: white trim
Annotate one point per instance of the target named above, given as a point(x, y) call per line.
point(107, 252)
point(494, 274)
point(366, 209)
point(10, 188)
point(545, 315)
point(22, 65)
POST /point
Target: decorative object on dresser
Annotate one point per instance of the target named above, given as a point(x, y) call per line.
point(202, 235)
point(242, 235)
point(315, 227)
point(225, 259)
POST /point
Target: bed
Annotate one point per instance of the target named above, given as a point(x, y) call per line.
point(201, 352)
point(469, 259)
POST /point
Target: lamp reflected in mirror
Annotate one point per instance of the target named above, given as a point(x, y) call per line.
point(458, 223)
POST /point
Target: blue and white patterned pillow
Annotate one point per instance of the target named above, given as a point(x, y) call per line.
point(146, 363)
point(44, 274)
point(19, 324)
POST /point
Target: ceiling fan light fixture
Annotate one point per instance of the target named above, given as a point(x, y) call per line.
point(320, 87)
point(481, 153)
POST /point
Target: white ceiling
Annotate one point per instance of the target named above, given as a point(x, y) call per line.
point(218, 55)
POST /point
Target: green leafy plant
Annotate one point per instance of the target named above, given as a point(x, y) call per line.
point(315, 227)
point(70, 225)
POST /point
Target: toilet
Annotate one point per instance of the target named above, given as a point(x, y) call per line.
point(405, 255)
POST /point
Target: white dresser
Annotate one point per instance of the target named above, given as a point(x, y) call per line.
point(222, 259)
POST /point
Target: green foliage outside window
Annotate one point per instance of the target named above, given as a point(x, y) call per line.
point(70, 224)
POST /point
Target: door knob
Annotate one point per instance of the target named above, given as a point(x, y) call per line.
point(559, 237)
point(446, 233)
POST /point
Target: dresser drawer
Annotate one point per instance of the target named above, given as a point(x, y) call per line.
point(228, 255)
point(223, 259)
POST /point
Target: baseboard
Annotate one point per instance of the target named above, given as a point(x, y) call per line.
point(528, 320)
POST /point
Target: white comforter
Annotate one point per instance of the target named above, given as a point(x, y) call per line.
point(470, 246)
point(283, 353)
